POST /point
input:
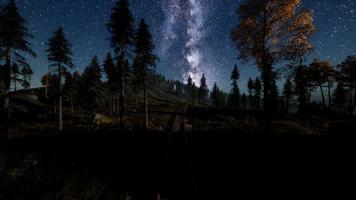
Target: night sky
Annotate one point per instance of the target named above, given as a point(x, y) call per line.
point(191, 36)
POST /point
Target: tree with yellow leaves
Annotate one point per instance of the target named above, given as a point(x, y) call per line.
point(270, 31)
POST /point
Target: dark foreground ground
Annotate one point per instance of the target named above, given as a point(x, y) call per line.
point(160, 165)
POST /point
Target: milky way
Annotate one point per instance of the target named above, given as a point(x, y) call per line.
point(191, 36)
point(195, 34)
point(189, 13)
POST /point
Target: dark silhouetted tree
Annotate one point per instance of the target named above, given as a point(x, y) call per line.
point(70, 88)
point(251, 92)
point(15, 75)
point(288, 93)
point(190, 86)
point(14, 41)
point(144, 62)
point(112, 76)
point(121, 38)
point(26, 73)
point(258, 93)
point(93, 92)
point(340, 96)
point(302, 87)
point(235, 91)
point(348, 77)
point(321, 73)
point(203, 90)
point(218, 97)
point(59, 55)
point(244, 101)
point(50, 82)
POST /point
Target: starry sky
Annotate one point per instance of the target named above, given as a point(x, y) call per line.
point(191, 36)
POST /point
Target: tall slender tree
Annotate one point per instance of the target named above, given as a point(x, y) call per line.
point(340, 95)
point(288, 93)
point(244, 101)
point(320, 72)
point(145, 61)
point(121, 31)
point(26, 73)
point(15, 75)
point(235, 91)
point(302, 87)
point(92, 91)
point(191, 85)
point(251, 93)
point(258, 93)
point(14, 41)
point(59, 55)
point(111, 74)
point(215, 93)
point(203, 90)
point(348, 77)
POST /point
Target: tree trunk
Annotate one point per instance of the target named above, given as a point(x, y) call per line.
point(122, 102)
point(354, 104)
point(145, 102)
point(113, 101)
point(136, 102)
point(267, 79)
point(15, 80)
point(55, 106)
point(29, 81)
point(350, 95)
point(322, 96)
point(287, 105)
point(71, 104)
point(110, 105)
point(60, 114)
point(46, 89)
point(329, 94)
point(8, 84)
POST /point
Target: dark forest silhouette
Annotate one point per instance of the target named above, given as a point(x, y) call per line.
point(131, 67)
point(61, 139)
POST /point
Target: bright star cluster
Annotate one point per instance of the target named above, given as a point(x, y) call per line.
point(191, 36)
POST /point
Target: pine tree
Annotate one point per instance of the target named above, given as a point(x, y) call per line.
point(348, 77)
point(302, 87)
point(274, 95)
point(288, 93)
point(50, 82)
point(215, 95)
point(70, 88)
point(258, 93)
point(235, 91)
point(244, 101)
point(26, 73)
point(203, 90)
point(340, 95)
point(45, 80)
point(190, 86)
point(121, 38)
point(14, 37)
point(92, 92)
point(145, 61)
point(15, 71)
point(251, 92)
point(14, 41)
point(59, 55)
point(111, 74)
